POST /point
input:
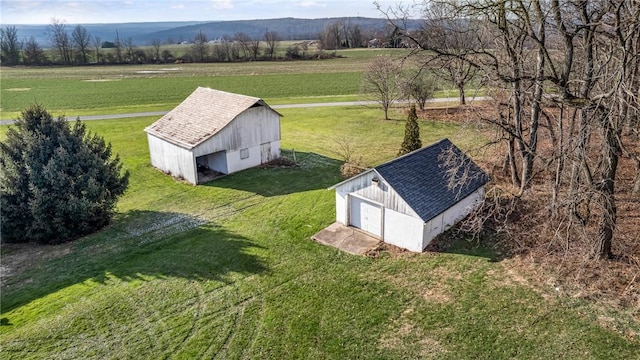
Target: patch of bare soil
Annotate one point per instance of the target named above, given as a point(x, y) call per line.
point(385, 248)
point(18, 258)
point(281, 162)
point(403, 332)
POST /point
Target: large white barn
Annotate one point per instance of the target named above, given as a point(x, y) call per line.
point(214, 131)
point(408, 201)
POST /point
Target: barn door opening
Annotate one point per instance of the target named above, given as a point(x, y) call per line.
point(211, 166)
point(265, 153)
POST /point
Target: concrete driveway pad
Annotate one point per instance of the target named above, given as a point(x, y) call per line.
point(346, 238)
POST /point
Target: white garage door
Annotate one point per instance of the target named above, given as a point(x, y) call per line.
point(365, 215)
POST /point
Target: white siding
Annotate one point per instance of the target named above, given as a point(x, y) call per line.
point(403, 230)
point(401, 225)
point(255, 126)
point(382, 193)
point(235, 163)
point(451, 216)
point(341, 208)
point(172, 159)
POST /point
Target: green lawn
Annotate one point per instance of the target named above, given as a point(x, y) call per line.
point(227, 270)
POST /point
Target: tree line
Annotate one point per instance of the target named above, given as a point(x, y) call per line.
point(567, 72)
point(76, 46)
point(342, 34)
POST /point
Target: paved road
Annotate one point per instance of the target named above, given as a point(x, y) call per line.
point(284, 106)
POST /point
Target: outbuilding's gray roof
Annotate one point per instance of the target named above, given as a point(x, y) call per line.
point(200, 116)
point(422, 178)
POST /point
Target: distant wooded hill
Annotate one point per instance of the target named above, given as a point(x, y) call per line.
point(143, 33)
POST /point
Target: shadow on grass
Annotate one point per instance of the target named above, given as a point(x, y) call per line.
point(312, 172)
point(140, 246)
point(455, 241)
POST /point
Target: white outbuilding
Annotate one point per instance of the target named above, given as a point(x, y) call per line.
point(212, 133)
point(410, 200)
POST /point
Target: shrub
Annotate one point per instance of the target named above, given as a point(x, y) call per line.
point(349, 170)
point(58, 181)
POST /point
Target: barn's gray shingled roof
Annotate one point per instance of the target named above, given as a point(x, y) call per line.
point(200, 116)
point(421, 178)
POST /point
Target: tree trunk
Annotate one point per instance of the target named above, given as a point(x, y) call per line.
point(559, 162)
point(515, 180)
point(636, 179)
point(463, 100)
point(536, 110)
point(605, 229)
point(607, 222)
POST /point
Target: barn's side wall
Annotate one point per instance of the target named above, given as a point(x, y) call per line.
point(450, 217)
point(253, 127)
point(172, 159)
point(403, 230)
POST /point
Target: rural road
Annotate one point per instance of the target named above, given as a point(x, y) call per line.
point(284, 106)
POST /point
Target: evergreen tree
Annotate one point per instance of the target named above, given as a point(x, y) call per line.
point(58, 181)
point(411, 133)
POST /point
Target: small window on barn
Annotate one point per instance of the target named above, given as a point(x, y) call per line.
point(244, 153)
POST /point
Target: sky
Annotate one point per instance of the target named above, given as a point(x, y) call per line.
point(119, 11)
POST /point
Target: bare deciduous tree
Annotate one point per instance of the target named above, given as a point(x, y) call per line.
point(381, 80)
point(130, 50)
point(332, 35)
point(254, 48)
point(155, 46)
point(272, 39)
point(9, 46)
point(568, 68)
point(453, 36)
point(97, 45)
point(81, 40)
point(118, 47)
point(57, 33)
point(419, 85)
point(33, 54)
point(200, 47)
point(348, 152)
point(244, 42)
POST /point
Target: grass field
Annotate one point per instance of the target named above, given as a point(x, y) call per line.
point(227, 270)
point(97, 90)
point(94, 90)
point(152, 94)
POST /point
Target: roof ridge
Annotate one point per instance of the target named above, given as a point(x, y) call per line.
point(432, 145)
point(228, 92)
